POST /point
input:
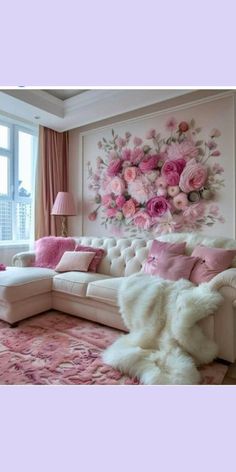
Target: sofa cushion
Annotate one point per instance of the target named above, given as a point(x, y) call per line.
point(72, 260)
point(18, 283)
point(99, 254)
point(75, 283)
point(159, 250)
point(171, 267)
point(106, 290)
point(211, 262)
point(50, 249)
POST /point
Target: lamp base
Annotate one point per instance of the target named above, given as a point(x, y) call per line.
point(64, 231)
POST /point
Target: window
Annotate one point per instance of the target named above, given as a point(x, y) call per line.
point(18, 146)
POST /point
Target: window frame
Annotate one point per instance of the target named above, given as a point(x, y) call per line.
point(13, 154)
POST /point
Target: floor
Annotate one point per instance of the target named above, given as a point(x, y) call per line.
point(230, 378)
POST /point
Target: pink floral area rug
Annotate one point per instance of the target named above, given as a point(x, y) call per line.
point(58, 349)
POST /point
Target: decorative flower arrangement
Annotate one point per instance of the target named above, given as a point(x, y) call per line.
point(160, 184)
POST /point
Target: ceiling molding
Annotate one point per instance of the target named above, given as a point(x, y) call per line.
point(92, 106)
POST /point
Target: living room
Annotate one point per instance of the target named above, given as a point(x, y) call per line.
point(106, 157)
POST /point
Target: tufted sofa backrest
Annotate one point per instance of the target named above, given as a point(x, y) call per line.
point(126, 256)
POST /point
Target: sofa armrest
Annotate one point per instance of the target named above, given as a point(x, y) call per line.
point(227, 278)
point(23, 259)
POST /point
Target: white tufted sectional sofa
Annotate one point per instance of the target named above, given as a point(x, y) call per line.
point(26, 290)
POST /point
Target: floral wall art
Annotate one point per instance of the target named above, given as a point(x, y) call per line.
point(168, 177)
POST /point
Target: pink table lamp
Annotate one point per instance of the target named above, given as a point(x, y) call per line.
point(64, 206)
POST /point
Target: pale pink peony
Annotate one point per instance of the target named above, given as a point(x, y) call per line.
point(149, 163)
point(139, 189)
point(173, 190)
point(142, 220)
point(151, 134)
point(106, 200)
point(113, 155)
point(193, 212)
point(157, 206)
point(114, 167)
point(126, 154)
point(129, 208)
point(137, 155)
point(137, 141)
point(111, 212)
point(117, 186)
point(171, 124)
point(215, 153)
point(130, 174)
point(120, 200)
point(180, 201)
point(185, 150)
point(193, 176)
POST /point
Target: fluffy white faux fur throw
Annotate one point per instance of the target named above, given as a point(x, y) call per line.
point(165, 343)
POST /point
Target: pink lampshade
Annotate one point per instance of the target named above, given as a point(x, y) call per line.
point(64, 205)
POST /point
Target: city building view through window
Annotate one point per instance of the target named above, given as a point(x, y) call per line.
point(17, 168)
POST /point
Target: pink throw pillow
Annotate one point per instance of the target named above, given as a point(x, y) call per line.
point(172, 267)
point(212, 261)
point(97, 258)
point(50, 249)
point(72, 260)
point(158, 248)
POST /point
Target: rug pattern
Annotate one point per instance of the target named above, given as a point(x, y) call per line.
point(58, 349)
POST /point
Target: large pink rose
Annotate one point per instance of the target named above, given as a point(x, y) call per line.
point(129, 208)
point(193, 177)
point(149, 163)
point(176, 165)
point(130, 174)
point(114, 167)
point(172, 178)
point(185, 150)
point(137, 155)
point(157, 206)
point(117, 186)
point(142, 220)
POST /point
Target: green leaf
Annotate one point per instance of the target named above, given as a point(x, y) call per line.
point(199, 143)
point(192, 123)
point(112, 132)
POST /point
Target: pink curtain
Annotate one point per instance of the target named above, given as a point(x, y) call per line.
point(51, 178)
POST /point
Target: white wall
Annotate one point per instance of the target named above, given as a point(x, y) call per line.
point(80, 138)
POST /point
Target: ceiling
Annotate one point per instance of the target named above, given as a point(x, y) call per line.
point(64, 94)
point(77, 107)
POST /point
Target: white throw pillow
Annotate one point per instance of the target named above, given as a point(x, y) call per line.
point(72, 260)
